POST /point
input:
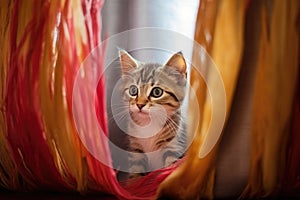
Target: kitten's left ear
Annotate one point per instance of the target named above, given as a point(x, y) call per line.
point(177, 62)
point(127, 62)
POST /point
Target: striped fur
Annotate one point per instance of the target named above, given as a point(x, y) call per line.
point(154, 94)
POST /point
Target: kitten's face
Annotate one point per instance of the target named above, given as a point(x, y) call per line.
point(153, 91)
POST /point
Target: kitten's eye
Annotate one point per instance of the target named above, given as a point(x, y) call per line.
point(156, 92)
point(133, 90)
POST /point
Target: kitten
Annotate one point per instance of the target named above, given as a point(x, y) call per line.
point(154, 94)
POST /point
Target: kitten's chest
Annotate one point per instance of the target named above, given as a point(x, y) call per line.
point(149, 144)
point(153, 152)
point(154, 146)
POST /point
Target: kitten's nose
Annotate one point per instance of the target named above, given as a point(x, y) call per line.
point(140, 106)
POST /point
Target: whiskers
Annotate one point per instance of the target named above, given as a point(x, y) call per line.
point(118, 112)
point(171, 122)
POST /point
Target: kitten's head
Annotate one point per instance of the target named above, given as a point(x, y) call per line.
point(151, 87)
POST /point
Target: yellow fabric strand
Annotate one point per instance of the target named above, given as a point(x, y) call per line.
point(9, 176)
point(276, 76)
point(59, 127)
point(195, 178)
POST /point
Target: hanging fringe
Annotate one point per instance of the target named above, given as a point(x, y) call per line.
point(45, 44)
point(9, 175)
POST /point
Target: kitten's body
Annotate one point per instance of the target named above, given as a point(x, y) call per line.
point(154, 94)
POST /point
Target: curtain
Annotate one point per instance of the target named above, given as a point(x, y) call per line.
point(58, 71)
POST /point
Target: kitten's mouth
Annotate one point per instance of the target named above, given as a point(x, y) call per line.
point(140, 112)
point(141, 117)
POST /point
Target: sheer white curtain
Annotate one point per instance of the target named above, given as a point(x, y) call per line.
point(176, 15)
point(173, 15)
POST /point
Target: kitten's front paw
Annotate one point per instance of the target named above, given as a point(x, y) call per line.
point(135, 171)
point(170, 160)
point(134, 175)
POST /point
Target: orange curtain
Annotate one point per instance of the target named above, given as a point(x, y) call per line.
point(220, 28)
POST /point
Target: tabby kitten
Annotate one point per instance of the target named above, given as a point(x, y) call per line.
point(154, 94)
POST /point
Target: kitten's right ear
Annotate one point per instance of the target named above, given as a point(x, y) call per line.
point(127, 62)
point(177, 62)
